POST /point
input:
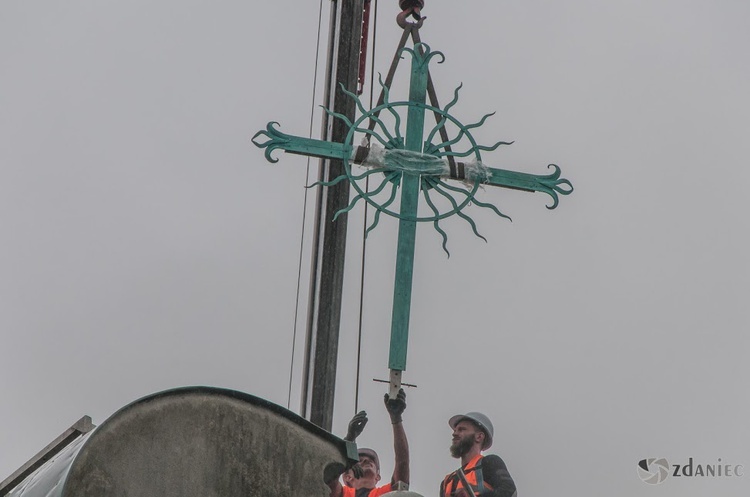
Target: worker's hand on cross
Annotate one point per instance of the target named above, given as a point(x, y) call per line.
point(396, 406)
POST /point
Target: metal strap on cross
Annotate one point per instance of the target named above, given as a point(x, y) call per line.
point(447, 172)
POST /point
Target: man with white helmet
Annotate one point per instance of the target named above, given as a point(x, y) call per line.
point(486, 476)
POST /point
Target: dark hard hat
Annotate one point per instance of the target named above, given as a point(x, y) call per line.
point(479, 419)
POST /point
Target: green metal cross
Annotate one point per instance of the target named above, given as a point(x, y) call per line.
point(414, 165)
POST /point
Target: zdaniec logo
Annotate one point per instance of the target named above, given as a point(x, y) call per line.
point(655, 470)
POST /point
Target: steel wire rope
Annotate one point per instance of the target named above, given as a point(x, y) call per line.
point(304, 207)
point(364, 217)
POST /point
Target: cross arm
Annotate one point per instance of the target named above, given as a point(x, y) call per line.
point(412, 162)
point(299, 145)
point(551, 184)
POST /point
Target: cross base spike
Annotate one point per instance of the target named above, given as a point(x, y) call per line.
point(394, 385)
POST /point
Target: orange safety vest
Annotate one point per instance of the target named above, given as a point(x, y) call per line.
point(374, 492)
point(473, 472)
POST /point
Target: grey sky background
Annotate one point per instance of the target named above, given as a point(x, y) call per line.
point(147, 244)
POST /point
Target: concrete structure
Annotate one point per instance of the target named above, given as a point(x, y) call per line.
point(193, 442)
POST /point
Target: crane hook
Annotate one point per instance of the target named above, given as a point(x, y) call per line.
point(410, 8)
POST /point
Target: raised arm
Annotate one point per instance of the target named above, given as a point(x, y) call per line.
point(333, 471)
point(395, 409)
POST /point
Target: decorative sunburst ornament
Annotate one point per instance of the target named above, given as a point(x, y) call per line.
point(385, 152)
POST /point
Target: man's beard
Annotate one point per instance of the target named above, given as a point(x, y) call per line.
point(462, 446)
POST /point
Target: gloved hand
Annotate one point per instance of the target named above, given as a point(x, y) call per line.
point(356, 425)
point(396, 406)
point(357, 471)
point(333, 470)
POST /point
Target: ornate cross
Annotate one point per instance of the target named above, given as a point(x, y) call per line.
point(415, 165)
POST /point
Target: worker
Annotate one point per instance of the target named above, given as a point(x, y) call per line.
point(362, 479)
point(486, 475)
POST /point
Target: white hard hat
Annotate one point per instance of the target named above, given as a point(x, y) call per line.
point(480, 420)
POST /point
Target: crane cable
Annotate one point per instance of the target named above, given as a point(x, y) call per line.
point(374, 4)
point(304, 206)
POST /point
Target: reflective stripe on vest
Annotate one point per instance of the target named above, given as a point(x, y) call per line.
point(473, 472)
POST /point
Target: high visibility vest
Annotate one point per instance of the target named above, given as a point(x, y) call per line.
point(374, 492)
point(473, 472)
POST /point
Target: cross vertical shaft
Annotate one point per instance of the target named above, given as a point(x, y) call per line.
point(407, 228)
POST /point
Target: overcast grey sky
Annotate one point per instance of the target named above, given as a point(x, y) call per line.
point(147, 244)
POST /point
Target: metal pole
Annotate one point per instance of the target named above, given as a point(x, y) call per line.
point(327, 269)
